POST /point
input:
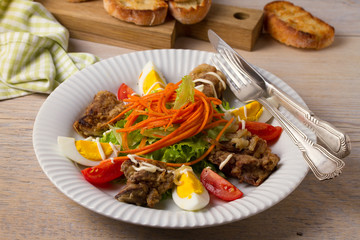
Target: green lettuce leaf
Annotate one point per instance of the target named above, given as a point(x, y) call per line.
point(181, 152)
point(198, 167)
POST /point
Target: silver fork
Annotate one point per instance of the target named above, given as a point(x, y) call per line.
point(323, 164)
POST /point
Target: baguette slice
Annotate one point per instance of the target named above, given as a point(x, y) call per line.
point(190, 11)
point(293, 26)
point(140, 12)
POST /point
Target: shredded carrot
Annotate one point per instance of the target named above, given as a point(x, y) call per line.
point(215, 124)
point(143, 142)
point(180, 164)
point(159, 121)
point(124, 142)
point(202, 156)
point(127, 109)
point(190, 119)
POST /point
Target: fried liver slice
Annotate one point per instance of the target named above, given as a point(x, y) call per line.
point(252, 163)
point(209, 73)
point(104, 107)
point(145, 188)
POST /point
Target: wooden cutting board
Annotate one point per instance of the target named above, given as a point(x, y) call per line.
point(240, 27)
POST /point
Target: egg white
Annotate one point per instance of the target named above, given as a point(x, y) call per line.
point(68, 148)
point(193, 202)
point(266, 115)
point(196, 202)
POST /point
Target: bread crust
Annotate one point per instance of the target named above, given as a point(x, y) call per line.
point(294, 26)
point(189, 12)
point(153, 15)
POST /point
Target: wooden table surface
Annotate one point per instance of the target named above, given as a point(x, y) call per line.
point(31, 207)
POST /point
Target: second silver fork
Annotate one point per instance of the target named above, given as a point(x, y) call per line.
point(323, 164)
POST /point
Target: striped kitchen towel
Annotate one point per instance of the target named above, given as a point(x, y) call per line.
point(33, 50)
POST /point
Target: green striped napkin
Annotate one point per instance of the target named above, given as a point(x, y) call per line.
point(33, 50)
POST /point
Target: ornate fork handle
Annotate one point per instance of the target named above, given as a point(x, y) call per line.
point(336, 142)
point(322, 163)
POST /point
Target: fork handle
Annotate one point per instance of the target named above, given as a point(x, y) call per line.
point(336, 142)
point(322, 163)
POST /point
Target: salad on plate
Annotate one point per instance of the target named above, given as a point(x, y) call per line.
point(173, 140)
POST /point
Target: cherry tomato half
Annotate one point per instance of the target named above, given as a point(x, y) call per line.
point(124, 91)
point(219, 186)
point(263, 130)
point(106, 171)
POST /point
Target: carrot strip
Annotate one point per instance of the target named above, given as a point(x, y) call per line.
point(130, 120)
point(176, 114)
point(207, 111)
point(215, 124)
point(122, 113)
point(158, 136)
point(124, 141)
point(207, 152)
point(145, 123)
point(218, 115)
point(143, 142)
point(215, 100)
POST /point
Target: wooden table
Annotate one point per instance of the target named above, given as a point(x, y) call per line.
point(329, 82)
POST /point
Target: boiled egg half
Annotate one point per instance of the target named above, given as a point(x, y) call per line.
point(86, 152)
point(254, 111)
point(249, 112)
point(151, 79)
point(189, 193)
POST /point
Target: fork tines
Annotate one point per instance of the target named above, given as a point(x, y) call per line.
point(229, 63)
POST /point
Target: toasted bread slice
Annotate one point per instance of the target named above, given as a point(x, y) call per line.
point(294, 26)
point(140, 12)
point(190, 11)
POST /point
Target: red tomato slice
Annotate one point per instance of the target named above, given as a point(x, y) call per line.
point(263, 130)
point(219, 186)
point(124, 91)
point(105, 172)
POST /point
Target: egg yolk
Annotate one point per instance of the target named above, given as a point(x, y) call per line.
point(152, 82)
point(189, 184)
point(252, 112)
point(90, 149)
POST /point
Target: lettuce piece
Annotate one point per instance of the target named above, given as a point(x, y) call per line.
point(198, 167)
point(185, 92)
point(159, 131)
point(226, 105)
point(134, 138)
point(167, 194)
point(111, 136)
point(116, 135)
point(185, 151)
point(181, 152)
point(214, 132)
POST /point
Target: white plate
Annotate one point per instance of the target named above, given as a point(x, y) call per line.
point(69, 100)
